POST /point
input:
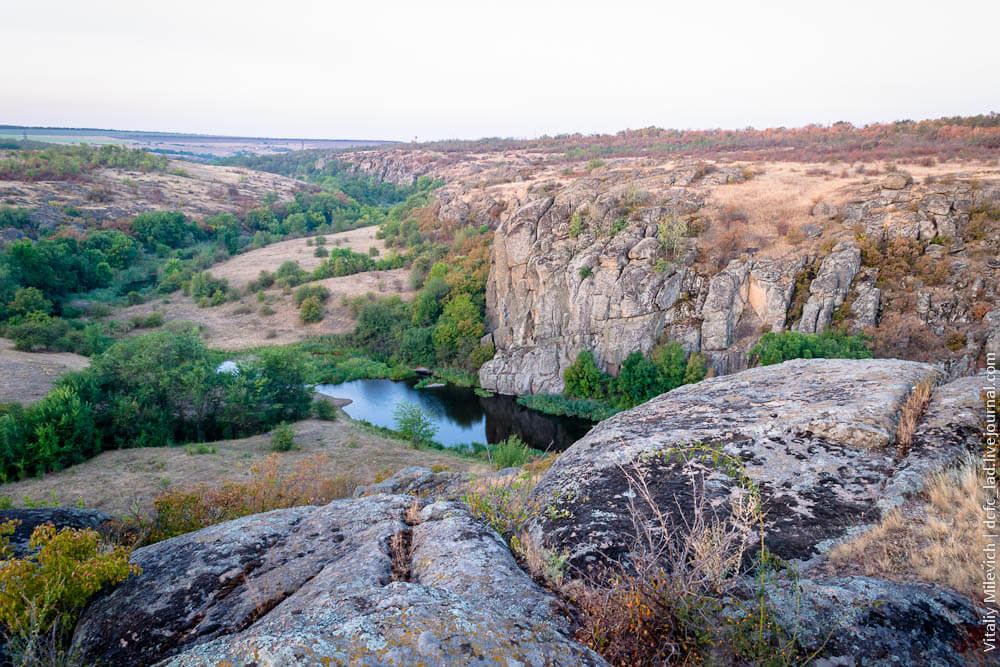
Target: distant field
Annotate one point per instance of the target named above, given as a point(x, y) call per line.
point(192, 146)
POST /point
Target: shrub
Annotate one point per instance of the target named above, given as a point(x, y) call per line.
point(37, 332)
point(584, 379)
point(195, 507)
point(306, 291)
point(282, 438)
point(557, 404)
point(671, 232)
point(512, 453)
point(320, 251)
point(575, 225)
point(45, 591)
point(774, 348)
point(413, 422)
point(324, 409)
point(586, 272)
point(506, 506)
point(311, 310)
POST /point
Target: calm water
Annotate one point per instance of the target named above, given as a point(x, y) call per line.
point(459, 414)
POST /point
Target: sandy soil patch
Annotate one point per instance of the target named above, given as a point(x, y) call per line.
point(127, 480)
point(26, 377)
point(240, 325)
point(243, 268)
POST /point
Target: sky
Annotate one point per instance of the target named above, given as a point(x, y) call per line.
point(434, 70)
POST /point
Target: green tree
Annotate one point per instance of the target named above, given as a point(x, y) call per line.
point(413, 422)
point(170, 228)
point(29, 300)
point(637, 382)
point(311, 310)
point(584, 379)
point(774, 348)
point(671, 364)
point(427, 304)
point(458, 329)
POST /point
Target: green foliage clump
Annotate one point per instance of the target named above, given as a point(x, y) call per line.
point(458, 330)
point(283, 438)
point(512, 452)
point(773, 348)
point(169, 228)
point(317, 292)
point(559, 404)
point(639, 380)
point(311, 310)
point(19, 218)
point(584, 379)
point(154, 390)
point(42, 593)
point(413, 422)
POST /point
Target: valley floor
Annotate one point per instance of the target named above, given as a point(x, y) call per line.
point(26, 377)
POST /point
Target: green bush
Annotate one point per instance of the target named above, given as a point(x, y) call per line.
point(584, 379)
point(413, 422)
point(306, 291)
point(282, 438)
point(324, 410)
point(42, 594)
point(774, 348)
point(311, 310)
point(512, 452)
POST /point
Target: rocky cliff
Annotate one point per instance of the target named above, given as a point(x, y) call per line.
point(636, 253)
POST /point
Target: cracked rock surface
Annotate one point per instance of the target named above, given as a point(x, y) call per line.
point(816, 436)
point(323, 585)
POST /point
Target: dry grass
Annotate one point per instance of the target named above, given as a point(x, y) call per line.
point(123, 481)
point(909, 415)
point(939, 539)
point(659, 607)
point(245, 267)
point(26, 377)
point(225, 327)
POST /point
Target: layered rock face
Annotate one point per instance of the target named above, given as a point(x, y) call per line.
point(586, 269)
point(375, 581)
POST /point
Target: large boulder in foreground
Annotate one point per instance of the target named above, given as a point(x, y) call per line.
point(817, 437)
point(372, 581)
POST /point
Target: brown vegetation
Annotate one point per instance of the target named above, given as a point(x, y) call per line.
point(938, 539)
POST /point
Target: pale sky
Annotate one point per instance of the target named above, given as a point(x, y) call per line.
point(432, 70)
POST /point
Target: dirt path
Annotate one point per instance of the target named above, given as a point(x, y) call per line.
point(26, 377)
point(122, 481)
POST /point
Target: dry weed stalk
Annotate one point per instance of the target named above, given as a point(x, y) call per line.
point(660, 605)
point(910, 414)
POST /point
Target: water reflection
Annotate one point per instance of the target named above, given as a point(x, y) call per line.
point(460, 415)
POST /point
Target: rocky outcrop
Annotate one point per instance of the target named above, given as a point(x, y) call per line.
point(376, 581)
point(829, 288)
point(586, 269)
point(817, 437)
point(60, 517)
point(865, 621)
